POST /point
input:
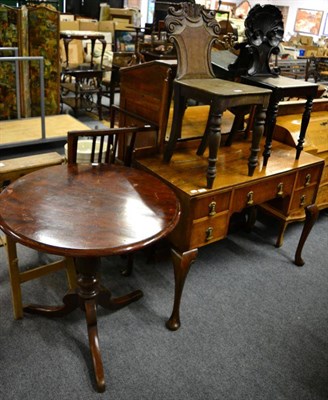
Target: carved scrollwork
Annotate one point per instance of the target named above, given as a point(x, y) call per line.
point(178, 15)
point(264, 24)
point(264, 30)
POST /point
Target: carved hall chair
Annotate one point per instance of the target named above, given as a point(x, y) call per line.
point(193, 30)
point(256, 65)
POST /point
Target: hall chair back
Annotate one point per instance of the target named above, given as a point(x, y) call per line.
point(193, 40)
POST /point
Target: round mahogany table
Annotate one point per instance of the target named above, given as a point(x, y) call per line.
point(87, 212)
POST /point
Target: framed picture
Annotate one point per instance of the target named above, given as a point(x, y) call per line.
point(308, 21)
point(124, 40)
point(325, 29)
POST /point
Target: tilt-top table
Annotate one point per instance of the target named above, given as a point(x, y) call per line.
point(87, 212)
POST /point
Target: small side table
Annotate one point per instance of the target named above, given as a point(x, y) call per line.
point(88, 212)
point(85, 80)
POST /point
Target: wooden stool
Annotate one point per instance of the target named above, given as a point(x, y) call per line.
point(11, 170)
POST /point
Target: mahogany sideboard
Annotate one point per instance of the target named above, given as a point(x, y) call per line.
point(205, 213)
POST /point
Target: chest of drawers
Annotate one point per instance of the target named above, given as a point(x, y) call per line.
point(289, 184)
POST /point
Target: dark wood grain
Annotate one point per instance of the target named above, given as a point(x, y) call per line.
point(83, 210)
point(88, 211)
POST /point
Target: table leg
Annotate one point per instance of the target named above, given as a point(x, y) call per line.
point(91, 317)
point(88, 294)
point(70, 300)
point(311, 215)
point(106, 300)
point(181, 263)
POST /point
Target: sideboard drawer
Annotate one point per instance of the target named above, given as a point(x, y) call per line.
point(308, 176)
point(303, 198)
point(207, 230)
point(260, 192)
point(209, 206)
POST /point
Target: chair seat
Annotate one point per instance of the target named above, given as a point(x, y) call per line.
point(222, 88)
point(279, 82)
point(284, 87)
point(221, 95)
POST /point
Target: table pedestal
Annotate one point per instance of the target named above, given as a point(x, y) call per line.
point(87, 296)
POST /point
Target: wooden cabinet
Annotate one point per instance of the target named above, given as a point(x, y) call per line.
point(205, 213)
point(293, 185)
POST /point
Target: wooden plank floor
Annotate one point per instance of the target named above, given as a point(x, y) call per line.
point(29, 129)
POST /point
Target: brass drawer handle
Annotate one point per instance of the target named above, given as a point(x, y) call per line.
point(212, 208)
point(209, 233)
point(250, 200)
point(307, 180)
point(302, 200)
point(280, 188)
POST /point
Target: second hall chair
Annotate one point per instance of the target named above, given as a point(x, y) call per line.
point(264, 30)
point(194, 29)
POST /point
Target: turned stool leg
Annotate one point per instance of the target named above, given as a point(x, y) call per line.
point(258, 130)
point(304, 125)
point(179, 107)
